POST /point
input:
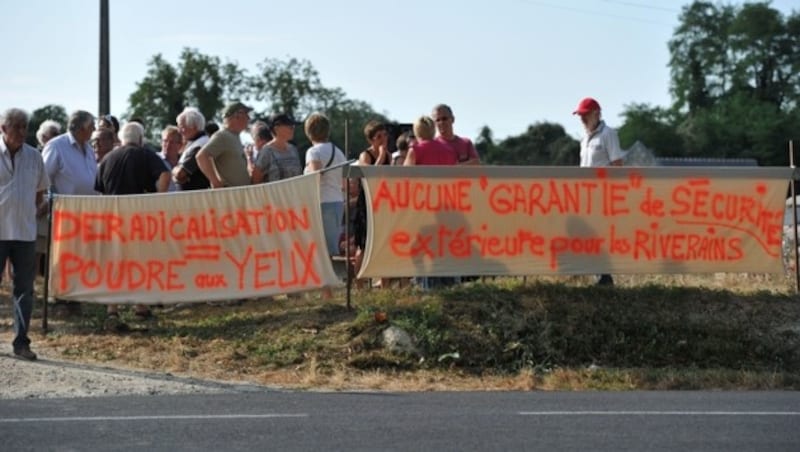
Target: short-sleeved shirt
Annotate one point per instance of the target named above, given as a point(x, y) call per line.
point(331, 181)
point(70, 166)
point(229, 158)
point(129, 170)
point(463, 147)
point(188, 161)
point(20, 180)
point(601, 147)
point(434, 152)
point(277, 164)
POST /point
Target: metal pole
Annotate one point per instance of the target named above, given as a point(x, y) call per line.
point(104, 106)
point(349, 282)
point(794, 221)
point(47, 259)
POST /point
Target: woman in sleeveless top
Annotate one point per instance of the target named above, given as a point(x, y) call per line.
point(376, 154)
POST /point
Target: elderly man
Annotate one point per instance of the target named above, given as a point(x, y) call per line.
point(23, 181)
point(69, 159)
point(103, 142)
point(600, 147)
point(71, 165)
point(222, 159)
point(191, 125)
point(48, 130)
point(463, 147)
point(131, 169)
point(171, 143)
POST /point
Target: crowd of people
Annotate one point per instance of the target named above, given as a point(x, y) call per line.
point(100, 156)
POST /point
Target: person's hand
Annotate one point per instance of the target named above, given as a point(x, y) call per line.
point(382, 152)
point(42, 210)
point(179, 175)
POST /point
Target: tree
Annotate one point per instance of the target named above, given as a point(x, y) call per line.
point(55, 112)
point(198, 80)
point(761, 44)
point(544, 143)
point(700, 55)
point(735, 83)
point(485, 145)
point(654, 127)
point(291, 87)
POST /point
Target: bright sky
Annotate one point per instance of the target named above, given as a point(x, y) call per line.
point(502, 63)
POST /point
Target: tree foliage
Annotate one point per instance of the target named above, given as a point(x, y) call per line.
point(197, 80)
point(55, 112)
point(543, 144)
point(735, 83)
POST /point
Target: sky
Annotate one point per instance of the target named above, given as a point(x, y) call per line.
point(507, 64)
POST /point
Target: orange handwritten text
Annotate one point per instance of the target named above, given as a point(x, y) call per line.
point(702, 205)
point(120, 275)
point(282, 268)
point(164, 226)
point(563, 197)
point(421, 196)
point(461, 244)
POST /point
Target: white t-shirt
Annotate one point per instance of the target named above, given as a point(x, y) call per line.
point(331, 180)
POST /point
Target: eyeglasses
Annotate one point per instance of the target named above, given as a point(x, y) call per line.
point(443, 119)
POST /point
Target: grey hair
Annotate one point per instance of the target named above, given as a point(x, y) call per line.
point(14, 116)
point(131, 133)
point(78, 120)
point(48, 129)
point(260, 129)
point(193, 118)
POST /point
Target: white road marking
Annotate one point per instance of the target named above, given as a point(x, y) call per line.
point(659, 413)
point(178, 417)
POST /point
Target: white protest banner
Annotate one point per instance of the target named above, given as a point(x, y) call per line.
point(450, 221)
point(190, 246)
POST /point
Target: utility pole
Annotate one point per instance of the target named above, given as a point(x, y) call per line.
point(104, 106)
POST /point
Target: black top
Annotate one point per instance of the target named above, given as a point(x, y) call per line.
point(196, 179)
point(129, 170)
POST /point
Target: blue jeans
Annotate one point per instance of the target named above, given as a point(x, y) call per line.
point(332, 224)
point(23, 262)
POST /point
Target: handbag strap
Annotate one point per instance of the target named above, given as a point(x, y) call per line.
point(333, 154)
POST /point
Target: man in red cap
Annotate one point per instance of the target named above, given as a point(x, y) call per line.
point(600, 147)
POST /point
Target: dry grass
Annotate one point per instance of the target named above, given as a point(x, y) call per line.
point(650, 332)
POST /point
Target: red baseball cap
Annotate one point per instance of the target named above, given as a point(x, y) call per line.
point(586, 105)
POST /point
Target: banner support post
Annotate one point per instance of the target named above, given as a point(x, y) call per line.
point(793, 190)
point(47, 259)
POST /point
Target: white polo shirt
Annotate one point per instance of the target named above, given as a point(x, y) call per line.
point(19, 183)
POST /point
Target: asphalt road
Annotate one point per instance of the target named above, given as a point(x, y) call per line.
point(257, 419)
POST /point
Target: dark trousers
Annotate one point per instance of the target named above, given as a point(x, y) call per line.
point(23, 262)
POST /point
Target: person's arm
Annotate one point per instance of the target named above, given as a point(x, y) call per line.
point(162, 184)
point(615, 154)
point(261, 167)
point(206, 164)
point(365, 158)
point(314, 165)
point(52, 161)
point(474, 158)
point(411, 158)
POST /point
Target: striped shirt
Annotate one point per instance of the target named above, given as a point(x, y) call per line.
point(20, 180)
point(71, 170)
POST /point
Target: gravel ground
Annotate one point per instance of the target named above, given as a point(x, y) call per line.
point(48, 378)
